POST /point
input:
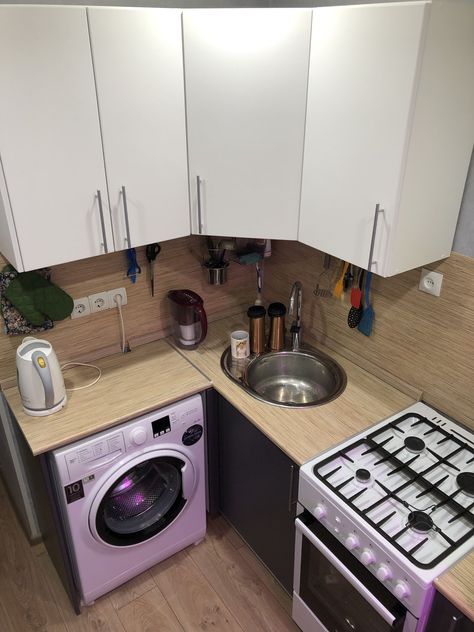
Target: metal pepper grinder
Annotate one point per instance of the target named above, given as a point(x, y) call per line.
point(276, 339)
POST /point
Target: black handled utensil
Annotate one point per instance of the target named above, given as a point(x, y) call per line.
point(355, 313)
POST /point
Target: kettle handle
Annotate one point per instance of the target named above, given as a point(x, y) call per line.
point(45, 376)
point(203, 321)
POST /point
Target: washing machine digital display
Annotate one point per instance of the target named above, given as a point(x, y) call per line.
point(161, 426)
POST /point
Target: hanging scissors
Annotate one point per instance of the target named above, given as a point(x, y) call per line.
point(152, 251)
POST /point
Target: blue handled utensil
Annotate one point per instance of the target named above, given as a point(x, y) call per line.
point(133, 267)
point(368, 315)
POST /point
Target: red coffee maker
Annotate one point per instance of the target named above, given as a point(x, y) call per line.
point(188, 318)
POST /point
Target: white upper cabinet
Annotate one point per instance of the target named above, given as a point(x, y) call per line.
point(246, 79)
point(138, 63)
point(389, 125)
point(50, 148)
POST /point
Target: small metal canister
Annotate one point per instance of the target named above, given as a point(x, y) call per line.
point(276, 339)
point(256, 314)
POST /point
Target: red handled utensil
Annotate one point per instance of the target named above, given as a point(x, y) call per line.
point(356, 292)
point(355, 313)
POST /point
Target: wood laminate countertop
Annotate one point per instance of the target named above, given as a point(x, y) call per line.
point(457, 585)
point(151, 376)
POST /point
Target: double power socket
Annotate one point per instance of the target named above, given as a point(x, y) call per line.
point(98, 302)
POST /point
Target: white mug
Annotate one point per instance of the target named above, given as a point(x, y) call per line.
point(239, 344)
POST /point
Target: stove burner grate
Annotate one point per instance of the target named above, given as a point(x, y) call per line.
point(420, 521)
point(389, 453)
point(465, 480)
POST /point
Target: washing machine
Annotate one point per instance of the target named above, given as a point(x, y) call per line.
point(133, 495)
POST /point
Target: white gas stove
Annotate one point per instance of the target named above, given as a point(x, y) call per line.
point(400, 498)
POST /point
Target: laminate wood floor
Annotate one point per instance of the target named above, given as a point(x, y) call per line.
point(217, 585)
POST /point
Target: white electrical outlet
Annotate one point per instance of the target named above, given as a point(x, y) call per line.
point(81, 307)
point(99, 302)
point(430, 282)
point(112, 293)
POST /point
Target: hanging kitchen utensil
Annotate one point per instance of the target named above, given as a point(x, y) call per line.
point(133, 267)
point(152, 251)
point(337, 291)
point(368, 316)
point(319, 290)
point(348, 278)
point(355, 313)
point(356, 292)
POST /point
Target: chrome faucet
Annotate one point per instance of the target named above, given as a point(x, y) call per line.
point(294, 311)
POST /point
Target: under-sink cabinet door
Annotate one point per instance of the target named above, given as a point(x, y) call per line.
point(53, 195)
point(246, 80)
point(138, 63)
point(389, 132)
point(258, 488)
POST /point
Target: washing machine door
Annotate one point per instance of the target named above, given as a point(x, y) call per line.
point(142, 498)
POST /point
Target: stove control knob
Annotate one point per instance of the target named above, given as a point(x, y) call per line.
point(401, 590)
point(352, 542)
point(320, 511)
point(367, 557)
point(384, 572)
point(138, 436)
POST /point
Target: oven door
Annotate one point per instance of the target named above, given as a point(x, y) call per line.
point(333, 591)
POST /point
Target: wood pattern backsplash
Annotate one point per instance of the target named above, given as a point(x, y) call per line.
point(146, 318)
point(426, 341)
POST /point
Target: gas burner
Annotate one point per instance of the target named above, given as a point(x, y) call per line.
point(465, 480)
point(420, 521)
point(362, 475)
point(414, 445)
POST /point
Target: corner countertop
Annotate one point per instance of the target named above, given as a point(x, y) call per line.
point(131, 384)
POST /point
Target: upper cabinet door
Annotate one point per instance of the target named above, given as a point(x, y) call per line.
point(363, 69)
point(389, 128)
point(138, 63)
point(50, 145)
point(246, 79)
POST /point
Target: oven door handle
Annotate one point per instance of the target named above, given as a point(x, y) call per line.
point(355, 583)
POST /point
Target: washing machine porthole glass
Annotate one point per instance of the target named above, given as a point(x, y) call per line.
point(142, 502)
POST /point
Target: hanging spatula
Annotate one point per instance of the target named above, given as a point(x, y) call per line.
point(337, 291)
point(368, 315)
point(355, 312)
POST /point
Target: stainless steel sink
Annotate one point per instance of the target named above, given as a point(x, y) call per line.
point(288, 378)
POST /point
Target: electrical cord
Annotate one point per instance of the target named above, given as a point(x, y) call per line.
point(92, 366)
point(118, 300)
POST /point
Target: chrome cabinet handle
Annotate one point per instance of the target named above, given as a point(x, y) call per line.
point(198, 188)
point(378, 210)
point(102, 223)
point(125, 211)
point(290, 493)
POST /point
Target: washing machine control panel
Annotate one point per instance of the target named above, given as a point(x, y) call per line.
point(181, 423)
point(79, 461)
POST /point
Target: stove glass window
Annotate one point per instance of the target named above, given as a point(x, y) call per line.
point(334, 601)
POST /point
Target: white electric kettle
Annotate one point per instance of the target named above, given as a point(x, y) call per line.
point(40, 380)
